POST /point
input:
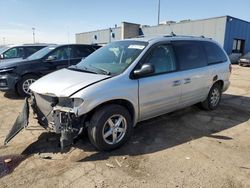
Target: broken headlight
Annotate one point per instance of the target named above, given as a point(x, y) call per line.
point(77, 102)
point(69, 102)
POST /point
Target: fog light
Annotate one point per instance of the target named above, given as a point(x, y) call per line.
point(3, 83)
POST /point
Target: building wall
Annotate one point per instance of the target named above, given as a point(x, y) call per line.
point(221, 29)
point(236, 29)
point(212, 28)
point(129, 30)
point(102, 36)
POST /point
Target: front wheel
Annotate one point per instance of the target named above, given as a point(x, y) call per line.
point(24, 84)
point(110, 127)
point(213, 99)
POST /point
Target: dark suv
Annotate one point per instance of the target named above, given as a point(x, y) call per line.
point(19, 75)
point(22, 51)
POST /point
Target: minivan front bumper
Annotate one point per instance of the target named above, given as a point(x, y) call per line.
point(61, 120)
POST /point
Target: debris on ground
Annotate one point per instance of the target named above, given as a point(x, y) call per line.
point(7, 160)
point(45, 156)
point(119, 164)
point(110, 165)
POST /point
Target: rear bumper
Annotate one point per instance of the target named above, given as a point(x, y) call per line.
point(246, 63)
point(8, 82)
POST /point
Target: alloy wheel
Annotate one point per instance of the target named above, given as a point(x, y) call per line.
point(26, 85)
point(114, 129)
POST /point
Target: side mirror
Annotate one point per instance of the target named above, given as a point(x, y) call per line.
point(1, 56)
point(146, 69)
point(51, 58)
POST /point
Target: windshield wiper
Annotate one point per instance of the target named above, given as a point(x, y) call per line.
point(85, 69)
point(101, 69)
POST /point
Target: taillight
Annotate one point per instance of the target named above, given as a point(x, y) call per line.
point(230, 68)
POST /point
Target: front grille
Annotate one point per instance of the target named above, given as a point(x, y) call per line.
point(44, 102)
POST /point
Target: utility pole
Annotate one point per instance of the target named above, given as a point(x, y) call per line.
point(33, 29)
point(159, 11)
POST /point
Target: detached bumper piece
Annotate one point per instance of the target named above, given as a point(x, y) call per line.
point(63, 122)
point(21, 122)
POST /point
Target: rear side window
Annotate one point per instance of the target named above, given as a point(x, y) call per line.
point(82, 51)
point(190, 54)
point(31, 50)
point(214, 53)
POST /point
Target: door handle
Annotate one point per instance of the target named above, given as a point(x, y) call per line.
point(187, 80)
point(176, 83)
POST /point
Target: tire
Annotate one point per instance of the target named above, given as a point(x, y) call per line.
point(213, 99)
point(23, 83)
point(100, 126)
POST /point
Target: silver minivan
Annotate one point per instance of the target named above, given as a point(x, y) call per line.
point(126, 82)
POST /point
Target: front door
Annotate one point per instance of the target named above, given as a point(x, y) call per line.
point(159, 92)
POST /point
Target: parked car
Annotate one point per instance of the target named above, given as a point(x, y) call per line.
point(20, 52)
point(245, 60)
point(235, 57)
point(126, 82)
point(19, 75)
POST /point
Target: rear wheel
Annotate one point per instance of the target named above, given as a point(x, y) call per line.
point(213, 98)
point(24, 84)
point(110, 127)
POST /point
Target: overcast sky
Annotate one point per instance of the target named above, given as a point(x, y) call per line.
point(54, 20)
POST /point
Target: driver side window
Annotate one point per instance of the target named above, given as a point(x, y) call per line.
point(63, 53)
point(162, 58)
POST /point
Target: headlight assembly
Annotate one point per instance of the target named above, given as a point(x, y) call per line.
point(77, 102)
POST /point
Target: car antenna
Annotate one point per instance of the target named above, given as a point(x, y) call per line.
point(171, 29)
point(173, 34)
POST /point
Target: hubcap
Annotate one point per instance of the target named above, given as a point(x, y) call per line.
point(215, 96)
point(26, 85)
point(114, 129)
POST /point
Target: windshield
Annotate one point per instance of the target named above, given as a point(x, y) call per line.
point(41, 53)
point(247, 55)
point(113, 58)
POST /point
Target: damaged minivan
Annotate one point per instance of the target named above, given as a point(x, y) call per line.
point(126, 82)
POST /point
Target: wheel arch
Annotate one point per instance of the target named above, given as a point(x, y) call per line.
point(123, 102)
point(25, 74)
point(220, 82)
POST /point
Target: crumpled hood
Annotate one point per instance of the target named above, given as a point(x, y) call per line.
point(65, 82)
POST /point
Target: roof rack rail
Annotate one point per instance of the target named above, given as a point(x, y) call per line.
point(174, 35)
